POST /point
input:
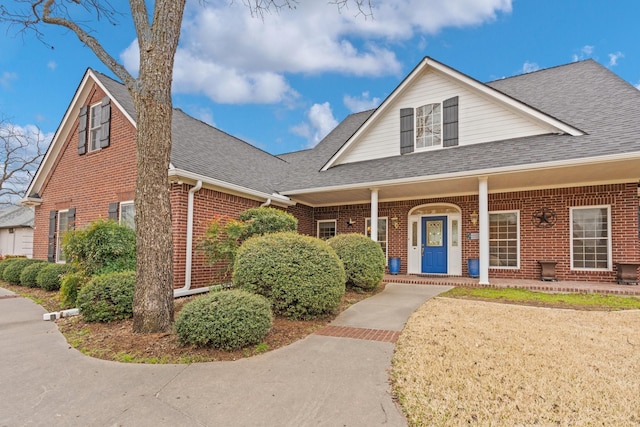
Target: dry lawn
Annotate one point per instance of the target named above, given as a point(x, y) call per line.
point(462, 362)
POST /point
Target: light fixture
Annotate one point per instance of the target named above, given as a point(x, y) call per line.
point(394, 222)
point(474, 218)
point(350, 222)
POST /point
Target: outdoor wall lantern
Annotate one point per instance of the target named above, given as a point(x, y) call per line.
point(394, 222)
point(350, 222)
point(474, 218)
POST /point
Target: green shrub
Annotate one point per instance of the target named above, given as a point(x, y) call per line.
point(12, 272)
point(69, 288)
point(225, 235)
point(50, 275)
point(265, 220)
point(301, 275)
point(363, 260)
point(30, 272)
point(227, 320)
point(107, 297)
point(101, 247)
point(6, 263)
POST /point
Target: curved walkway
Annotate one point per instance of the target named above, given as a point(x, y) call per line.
point(336, 377)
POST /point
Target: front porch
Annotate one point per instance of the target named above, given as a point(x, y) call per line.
point(532, 285)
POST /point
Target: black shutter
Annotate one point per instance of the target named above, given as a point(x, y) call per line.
point(450, 122)
point(105, 122)
point(51, 250)
point(82, 130)
point(406, 130)
point(113, 210)
point(71, 219)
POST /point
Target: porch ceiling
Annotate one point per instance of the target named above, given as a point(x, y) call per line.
point(625, 170)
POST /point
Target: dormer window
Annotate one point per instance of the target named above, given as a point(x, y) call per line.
point(428, 126)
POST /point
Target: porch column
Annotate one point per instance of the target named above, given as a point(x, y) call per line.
point(483, 213)
point(374, 214)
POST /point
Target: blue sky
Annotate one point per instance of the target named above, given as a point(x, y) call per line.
point(283, 82)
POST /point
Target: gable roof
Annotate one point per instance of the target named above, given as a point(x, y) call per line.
point(462, 80)
point(584, 95)
point(16, 216)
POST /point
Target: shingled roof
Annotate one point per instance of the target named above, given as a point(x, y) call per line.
point(16, 216)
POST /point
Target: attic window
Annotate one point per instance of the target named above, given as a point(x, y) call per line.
point(428, 126)
point(94, 127)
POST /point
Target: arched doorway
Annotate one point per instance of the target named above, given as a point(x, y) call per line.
point(434, 241)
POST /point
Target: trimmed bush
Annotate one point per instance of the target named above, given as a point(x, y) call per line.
point(226, 320)
point(107, 297)
point(363, 260)
point(50, 276)
point(265, 220)
point(6, 263)
point(30, 272)
point(69, 288)
point(301, 275)
point(101, 247)
point(12, 272)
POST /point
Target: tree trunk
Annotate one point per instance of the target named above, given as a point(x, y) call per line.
point(153, 301)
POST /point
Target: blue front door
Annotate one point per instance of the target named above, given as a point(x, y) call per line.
point(434, 244)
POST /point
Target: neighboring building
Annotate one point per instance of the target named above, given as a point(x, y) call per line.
point(16, 231)
point(543, 166)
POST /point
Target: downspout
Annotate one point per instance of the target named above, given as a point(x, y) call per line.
point(186, 289)
point(267, 203)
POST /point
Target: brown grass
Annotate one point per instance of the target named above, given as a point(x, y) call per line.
point(461, 362)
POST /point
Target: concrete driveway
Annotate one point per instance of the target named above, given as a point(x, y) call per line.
point(321, 380)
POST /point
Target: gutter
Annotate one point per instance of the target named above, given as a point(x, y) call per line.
point(186, 289)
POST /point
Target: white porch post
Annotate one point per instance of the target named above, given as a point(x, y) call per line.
point(483, 211)
point(374, 214)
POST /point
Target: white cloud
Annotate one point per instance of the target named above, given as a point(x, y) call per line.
point(613, 58)
point(638, 85)
point(235, 58)
point(529, 67)
point(585, 52)
point(320, 122)
point(52, 65)
point(363, 102)
point(6, 78)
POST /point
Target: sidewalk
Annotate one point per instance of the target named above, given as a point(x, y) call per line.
point(325, 379)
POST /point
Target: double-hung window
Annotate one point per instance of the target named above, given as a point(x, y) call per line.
point(382, 233)
point(428, 126)
point(63, 227)
point(94, 127)
point(127, 215)
point(504, 248)
point(591, 238)
point(326, 229)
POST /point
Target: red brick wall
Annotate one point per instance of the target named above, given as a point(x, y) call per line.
point(535, 243)
point(88, 182)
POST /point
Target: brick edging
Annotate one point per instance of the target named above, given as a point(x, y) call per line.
point(381, 335)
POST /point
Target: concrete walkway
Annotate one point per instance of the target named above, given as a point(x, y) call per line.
point(322, 380)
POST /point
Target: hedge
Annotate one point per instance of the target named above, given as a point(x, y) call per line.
point(107, 297)
point(363, 260)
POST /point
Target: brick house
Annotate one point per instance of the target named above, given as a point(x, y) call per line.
point(543, 166)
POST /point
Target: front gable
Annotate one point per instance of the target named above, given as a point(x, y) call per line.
point(437, 107)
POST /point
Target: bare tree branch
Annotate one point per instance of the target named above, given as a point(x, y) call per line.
point(21, 153)
point(363, 7)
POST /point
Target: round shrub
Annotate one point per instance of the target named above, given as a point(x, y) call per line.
point(107, 297)
point(265, 220)
point(363, 260)
point(6, 263)
point(69, 287)
point(226, 320)
point(30, 272)
point(13, 271)
point(50, 275)
point(301, 275)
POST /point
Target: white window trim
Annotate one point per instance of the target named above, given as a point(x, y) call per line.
point(415, 127)
point(609, 245)
point(506, 267)
point(125, 203)
point(335, 226)
point(366, 232)
point(60, 235)
point(93, 126)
